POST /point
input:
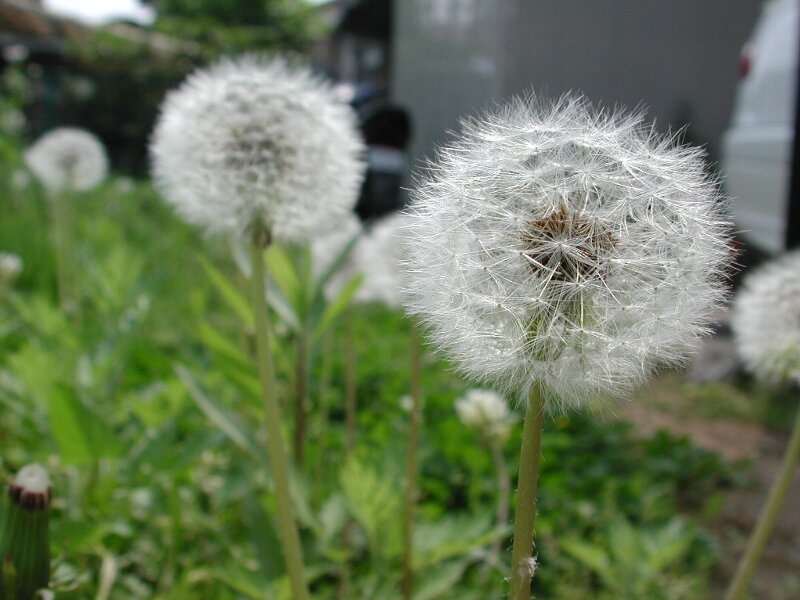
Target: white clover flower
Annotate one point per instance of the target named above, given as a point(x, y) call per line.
point(380, 258)
point(10, 267)
point(68, 158)
point(766, 320)
point(573, 248)
point(253, 144)
point(486, 412)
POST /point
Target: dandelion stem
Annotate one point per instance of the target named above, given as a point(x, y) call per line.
point(525, 517)
point(350, 381)
point(768, 517)
point(503, 489)
point(63, 245)
point(411, 462)
point(301, 397)
point(278, 460)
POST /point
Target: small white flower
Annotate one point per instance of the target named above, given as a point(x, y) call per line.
point(486, 412)
point(766, 320)
point(68, 159)
point(573, 248)
point(254, 144)
point(32, 487)
point(10, 267)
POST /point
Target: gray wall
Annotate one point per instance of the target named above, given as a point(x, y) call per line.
point(679, 58)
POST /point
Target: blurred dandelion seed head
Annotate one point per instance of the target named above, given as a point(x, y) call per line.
point(68, 159)
point(486, 412)
point(766, 320)
point(10, 267)
point(254, 144)
point(573, 247)
point(381, 258)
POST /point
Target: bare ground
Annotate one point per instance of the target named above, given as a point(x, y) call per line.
point(778, 575)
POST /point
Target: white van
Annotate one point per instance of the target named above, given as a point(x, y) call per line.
point(757, 148)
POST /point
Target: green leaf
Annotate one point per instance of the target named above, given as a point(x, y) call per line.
point(336, 307)
point(282, 270)
point(593, 557)
point(228, 422)
point(229, 293)
point(263, 537)
point(81, 435)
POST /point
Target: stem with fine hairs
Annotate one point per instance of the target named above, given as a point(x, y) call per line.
point(276, 450)
point(522, 565)
point(768, 517)
point(412, 467)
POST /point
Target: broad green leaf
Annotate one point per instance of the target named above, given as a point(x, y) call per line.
point(228, 422)
point(282, 270)
point(81, 435)
point(263, 537)
point(229, 293)
point(336, 307)
point(281, 305)
point(439, 582)
point(593, 557)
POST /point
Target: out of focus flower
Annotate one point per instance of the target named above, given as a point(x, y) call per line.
point(68, 159)
point(10, 267)
point(328, 249)
point(486, 412)
point(256, 146)
point(380, 259)
point(559, 245)
point(766, 320)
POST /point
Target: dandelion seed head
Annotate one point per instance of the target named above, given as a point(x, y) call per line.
point(486, 412)
point(67, 159)
point(10, 267)
point(328, 248)
point(766, 320)
point(380, 258)
point(254, 143)
point(557, 244)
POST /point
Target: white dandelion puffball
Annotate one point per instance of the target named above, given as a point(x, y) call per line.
point(254, 145)
point(328, 248)
point(766, 320)
point(380, 258)
point(573, 248)
point(486, 412)
point(10, 267)
point(68, 159)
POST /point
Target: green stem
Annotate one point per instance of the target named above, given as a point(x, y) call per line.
point(301, 398)
point(278, 460)
point(351, 400)
point(503, 489)
point(525, 518)
point(62, 242)
point(411, 463)
point(768, 517)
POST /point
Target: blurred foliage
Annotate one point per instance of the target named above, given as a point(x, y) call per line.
point(116, 78)
point(147, 413)
point(233, 26)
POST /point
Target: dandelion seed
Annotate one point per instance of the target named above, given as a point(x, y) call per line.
point(254, 144)
point(68, 159)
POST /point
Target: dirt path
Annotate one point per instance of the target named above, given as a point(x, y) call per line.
point(778, 575)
